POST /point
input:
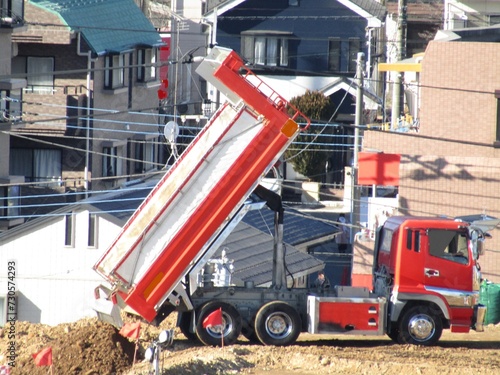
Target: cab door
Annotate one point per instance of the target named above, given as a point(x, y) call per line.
point(448, 263)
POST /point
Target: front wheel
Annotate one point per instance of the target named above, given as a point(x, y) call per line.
point(277, 323)
point(229, 331)
point(420, 326)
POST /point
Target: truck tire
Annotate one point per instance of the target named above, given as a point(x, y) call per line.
point(230, 329)
point(277, 323)
point(420, 326)
point(184, 325)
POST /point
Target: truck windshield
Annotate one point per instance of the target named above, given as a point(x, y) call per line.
point(448, 245)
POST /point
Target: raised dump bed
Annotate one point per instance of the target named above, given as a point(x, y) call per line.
point(191, 204)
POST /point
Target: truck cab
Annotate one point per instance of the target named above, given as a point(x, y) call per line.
point(428, 270)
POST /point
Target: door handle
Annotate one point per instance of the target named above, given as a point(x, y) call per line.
point(429, 272)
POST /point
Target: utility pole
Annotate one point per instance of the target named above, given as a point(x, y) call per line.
point(401, 54)
point(355, 196)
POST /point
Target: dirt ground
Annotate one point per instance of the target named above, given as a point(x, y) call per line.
point(91, 347)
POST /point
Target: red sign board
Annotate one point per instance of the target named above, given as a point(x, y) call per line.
point(378, 169)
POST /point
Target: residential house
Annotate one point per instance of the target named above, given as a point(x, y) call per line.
point(54, 254)
point(11, 23)
point(90, 109)
point(449, 166)
point(296, 46)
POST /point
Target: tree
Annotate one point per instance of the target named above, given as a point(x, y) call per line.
point(309, 154)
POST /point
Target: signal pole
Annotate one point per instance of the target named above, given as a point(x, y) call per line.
point(401, 54)
point(355, 196)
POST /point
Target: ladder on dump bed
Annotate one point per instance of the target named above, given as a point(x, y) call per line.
point(206, 186)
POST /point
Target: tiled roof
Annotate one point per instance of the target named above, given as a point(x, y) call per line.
point(108, 26)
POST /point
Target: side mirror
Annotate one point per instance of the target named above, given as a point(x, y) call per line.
point(480, 248)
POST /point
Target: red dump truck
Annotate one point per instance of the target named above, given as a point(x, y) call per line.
point(425, 273)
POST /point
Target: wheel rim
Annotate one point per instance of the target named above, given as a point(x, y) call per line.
point(421, 327)
point(222, 330)
point(278, 325)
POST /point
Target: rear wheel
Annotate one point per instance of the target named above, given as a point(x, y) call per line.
point(228, 331)
point(277, 323)
point(420, 325)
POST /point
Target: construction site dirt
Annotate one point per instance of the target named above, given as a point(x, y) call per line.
point(92, 347)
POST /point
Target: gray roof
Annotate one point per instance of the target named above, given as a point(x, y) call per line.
point(252, 252)
point(250, 244)
point(108, 26)
point(299, 228)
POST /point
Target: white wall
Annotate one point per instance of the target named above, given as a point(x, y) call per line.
point(55, 283)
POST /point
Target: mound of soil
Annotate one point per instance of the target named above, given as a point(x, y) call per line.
point(85, 347)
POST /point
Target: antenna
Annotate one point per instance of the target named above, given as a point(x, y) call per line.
point(171, 132)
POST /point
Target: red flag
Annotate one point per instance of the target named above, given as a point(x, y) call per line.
point(131, 330)
point(213, 319)
point(43, 357)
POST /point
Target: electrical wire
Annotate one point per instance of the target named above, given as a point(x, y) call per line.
point(316, 137)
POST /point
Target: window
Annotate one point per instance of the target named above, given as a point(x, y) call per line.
point(40, 75)
point(10, 201)
point(3, 310)
point(413, 240)
point(69, 230)
point(146, 61)
point(10, 105)
point(448, 245)
point(494, 19)
point(144, 156)
point(265, 49)
point(111, 161)
point(354, 48)
point(92, 235)
point(37, 165)
point(114, 74)
point(386, 240)
point(11, 12)
point(334, 54)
